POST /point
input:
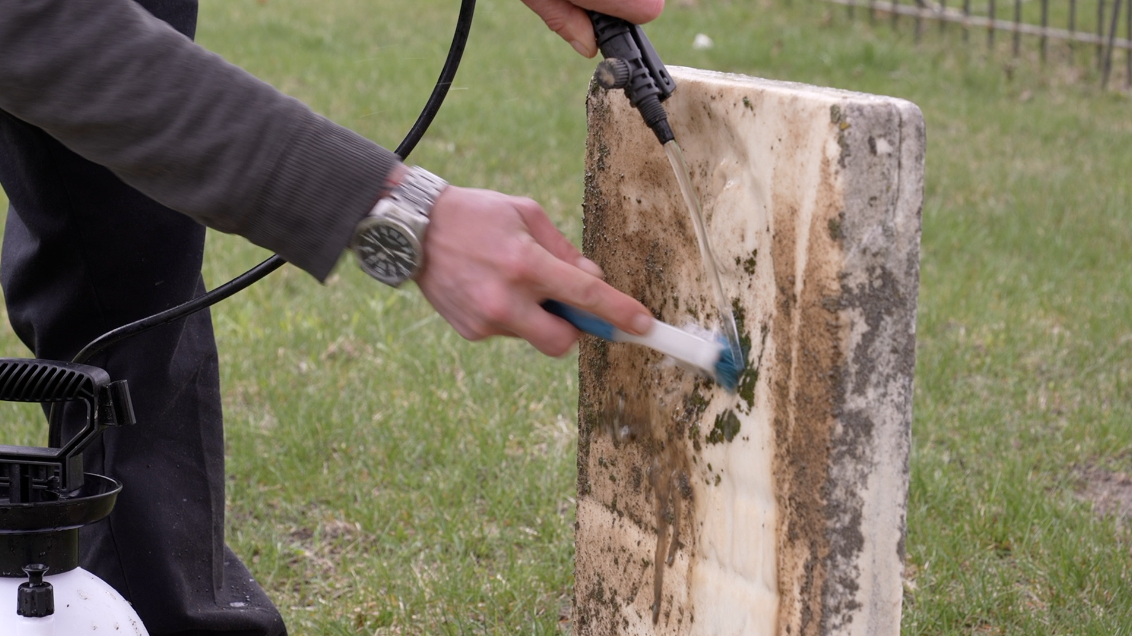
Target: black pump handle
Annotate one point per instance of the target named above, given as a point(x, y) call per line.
point(24, 380)
point(28, 471)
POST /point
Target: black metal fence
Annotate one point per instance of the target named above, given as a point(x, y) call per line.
point(1096, 24)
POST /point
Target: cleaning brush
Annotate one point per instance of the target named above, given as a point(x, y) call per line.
point(711, 357)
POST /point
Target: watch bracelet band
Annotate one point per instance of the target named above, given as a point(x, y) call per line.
point(418, 191)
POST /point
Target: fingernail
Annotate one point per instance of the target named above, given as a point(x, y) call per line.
point(641, 324)
point(582, 48)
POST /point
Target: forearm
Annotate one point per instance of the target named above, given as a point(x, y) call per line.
point(186, 128)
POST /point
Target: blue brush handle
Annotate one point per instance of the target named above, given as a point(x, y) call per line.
point(583, 320)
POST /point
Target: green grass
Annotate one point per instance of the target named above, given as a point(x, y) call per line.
point(385, 476)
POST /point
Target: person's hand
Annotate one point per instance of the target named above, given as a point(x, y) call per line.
point(491, 259)
point(568, 18)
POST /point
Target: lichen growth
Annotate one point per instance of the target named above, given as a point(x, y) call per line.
point(750, 264)
point(741, 326)
point(835, 230)
point(747, 383)
point(726, 427)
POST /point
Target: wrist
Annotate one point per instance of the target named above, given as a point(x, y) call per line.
point(395, 178)
point(388, 241)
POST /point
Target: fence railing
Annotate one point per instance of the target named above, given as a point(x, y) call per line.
point(1101, 34)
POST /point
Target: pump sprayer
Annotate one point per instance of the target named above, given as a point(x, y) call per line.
point(45, 497)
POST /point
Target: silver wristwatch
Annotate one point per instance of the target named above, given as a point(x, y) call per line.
point(388, 240)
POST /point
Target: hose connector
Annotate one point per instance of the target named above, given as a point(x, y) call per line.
point(632, 64)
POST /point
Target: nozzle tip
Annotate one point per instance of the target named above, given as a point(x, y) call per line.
point(663, 131)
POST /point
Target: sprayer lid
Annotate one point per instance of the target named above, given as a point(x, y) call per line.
point(90, 503)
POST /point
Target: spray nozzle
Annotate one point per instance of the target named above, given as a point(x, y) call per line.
point(633, 65)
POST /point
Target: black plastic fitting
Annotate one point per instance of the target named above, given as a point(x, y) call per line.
point(631, 63)
point(36, 597)
point(612, 73)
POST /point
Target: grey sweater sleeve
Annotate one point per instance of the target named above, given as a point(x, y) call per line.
point(124, 90)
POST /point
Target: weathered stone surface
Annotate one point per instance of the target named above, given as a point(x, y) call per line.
point(779, 510)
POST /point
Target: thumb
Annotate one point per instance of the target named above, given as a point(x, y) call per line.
point(569, 21)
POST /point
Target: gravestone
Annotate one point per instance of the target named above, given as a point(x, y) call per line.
point(779, 510)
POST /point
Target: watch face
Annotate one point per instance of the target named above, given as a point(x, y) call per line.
point(387, 252)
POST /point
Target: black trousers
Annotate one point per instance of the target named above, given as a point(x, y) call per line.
point(84, 253)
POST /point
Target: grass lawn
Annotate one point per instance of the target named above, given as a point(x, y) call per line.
point(387, 477)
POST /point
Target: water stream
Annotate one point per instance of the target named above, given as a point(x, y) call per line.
point(711, 269)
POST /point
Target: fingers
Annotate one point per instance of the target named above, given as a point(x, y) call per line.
point(548, 236)
point(569, 21)
point(589, 267)
point(547, 333)
point(491, 260)
point(556, 269)
point(560, 280)
point(635, 11)
point(499, 312)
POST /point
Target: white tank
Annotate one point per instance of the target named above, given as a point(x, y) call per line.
point(84, 604)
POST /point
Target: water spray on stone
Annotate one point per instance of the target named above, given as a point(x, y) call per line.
point(633, 65)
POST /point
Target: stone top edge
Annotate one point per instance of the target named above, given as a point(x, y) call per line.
point(684, 73)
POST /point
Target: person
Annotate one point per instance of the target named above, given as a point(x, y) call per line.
point(120, 140)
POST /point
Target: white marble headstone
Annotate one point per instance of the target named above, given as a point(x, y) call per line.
point(779, 510)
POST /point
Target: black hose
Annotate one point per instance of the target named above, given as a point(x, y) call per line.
point(444, 82)
point(245, 280)
point(232, 287)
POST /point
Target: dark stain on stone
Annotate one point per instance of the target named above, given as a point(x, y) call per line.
point(843, 144)
point(834, 226)
point(726, 427)
point(693, 408)
point(667, 474)
point(749, 379)
point(878, 299)
point(740, 314)
point(751, 263)
point(657, 255)
point(747, 383)
point(807, 348)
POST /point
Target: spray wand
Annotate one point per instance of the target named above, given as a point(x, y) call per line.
point(632, 64)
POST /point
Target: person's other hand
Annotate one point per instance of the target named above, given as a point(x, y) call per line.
point(568, 18)
point(491, 259)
